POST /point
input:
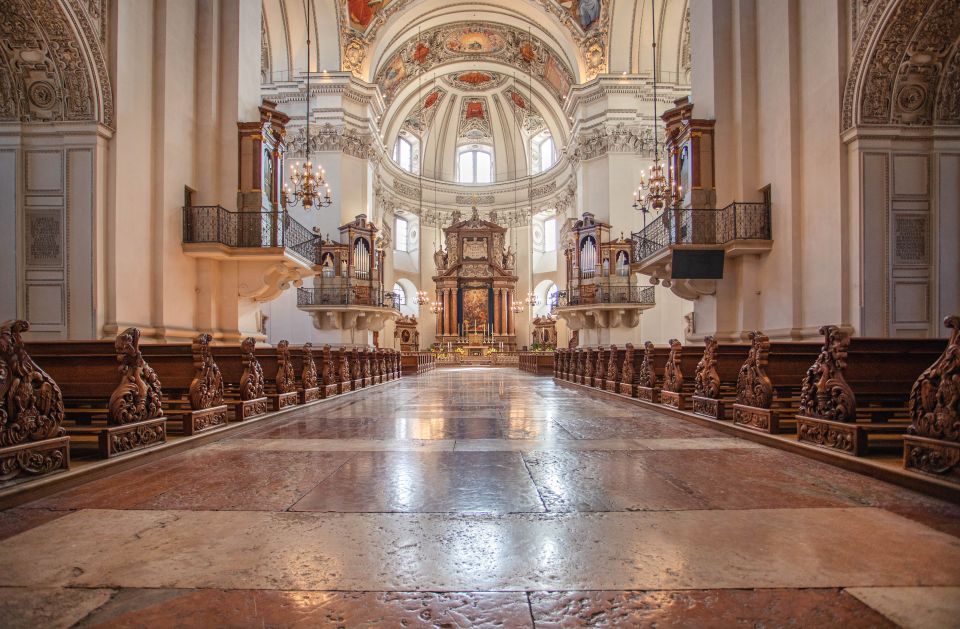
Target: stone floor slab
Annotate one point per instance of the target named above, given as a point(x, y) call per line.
point(202, 609)
point(790, 548)
point(704, 609)
point(427, 482)
point(50, 608)
point(337, 445)
point(914, 607)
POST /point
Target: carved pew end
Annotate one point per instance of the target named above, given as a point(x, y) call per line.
point(936, 457)
point(648, 394)
point(708, 407)
point(248, 409)
point(280, 401)
point(310, 395)
point(34, 458)
point(824, 433)
point(759, 419)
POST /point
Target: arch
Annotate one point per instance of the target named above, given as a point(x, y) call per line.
point(905, 66)
point(66, 79)
point(543, 291)
point(408, 305)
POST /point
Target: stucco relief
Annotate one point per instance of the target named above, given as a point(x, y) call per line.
point(329, 138)
point(44, 74)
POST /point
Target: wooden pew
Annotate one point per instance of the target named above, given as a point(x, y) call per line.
point(113, 418)
point(33, 441)
point(612, 376)
point(932, 443)
point(855, 395)
point(243, 379)
point(280, 381)
point(646, 375)
point(602, 357)
point(715, 379)
point(309, 390)
point(678, 369)
point(586, 371)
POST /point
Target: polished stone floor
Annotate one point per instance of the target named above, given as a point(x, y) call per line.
point(481, 497)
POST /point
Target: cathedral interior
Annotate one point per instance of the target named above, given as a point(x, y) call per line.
point(513, 313)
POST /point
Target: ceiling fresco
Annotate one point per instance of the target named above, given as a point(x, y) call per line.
point(474, 120)
point(467, 41)
point(587, 21)
point(419, 119)
point(529, 119)
point(475, 80)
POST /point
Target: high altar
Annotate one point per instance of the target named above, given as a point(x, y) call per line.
point(475, 284)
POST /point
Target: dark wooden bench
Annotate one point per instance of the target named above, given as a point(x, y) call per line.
point(611, 380)
point(678, 371)
point(932, 442)
point(243, 377)
point(113, 401)
point(601, 358)
point(854, 397)
point(715, 378)
point(33, 441)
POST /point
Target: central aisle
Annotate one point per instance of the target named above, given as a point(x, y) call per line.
point(479, 496)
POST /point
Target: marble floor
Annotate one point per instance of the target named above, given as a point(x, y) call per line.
point(481, 498)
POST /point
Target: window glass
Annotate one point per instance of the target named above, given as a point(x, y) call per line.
point(400, 235)
point(550, 234)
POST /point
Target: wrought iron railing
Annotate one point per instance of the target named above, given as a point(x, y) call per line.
point(347, 297)
point(643, 295)
point(737, 221)
point(215, 224)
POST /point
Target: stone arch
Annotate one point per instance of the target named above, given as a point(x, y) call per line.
point(52, 66)
point(905, 66)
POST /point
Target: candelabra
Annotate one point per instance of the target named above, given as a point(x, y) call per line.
point(436, 308)
point(533, 300)
point(422, 298)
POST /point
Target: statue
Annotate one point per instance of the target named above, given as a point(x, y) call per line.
point(509, 258)
point(440, 258)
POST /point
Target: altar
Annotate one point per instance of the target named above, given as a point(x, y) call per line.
point(476, 282)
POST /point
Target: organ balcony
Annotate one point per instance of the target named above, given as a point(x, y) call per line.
point(685, 248)
point(348, 289)
point(601, 291)
point(275, 250)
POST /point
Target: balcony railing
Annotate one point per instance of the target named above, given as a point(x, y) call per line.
point(215, 224)
point(640, 295)
point(347, 297)
point(737, 221)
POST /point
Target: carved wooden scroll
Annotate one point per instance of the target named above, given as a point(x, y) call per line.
point(382, 365)
point(327, 371)
point(138, 396)
point(628, 364)
point(309, 374)
point(600, 371)
point(706, 382)
point(206, 389)
point(648, 376)
point(825, 393)
point(753, 385)
point(365, 359)
point(587, 364)
point(31, 404)
point(356, 369)
point(935, 396)
point(672, 378)
point(612, 366)
point(578, 364)
point(286, 380)
point(345, 367)
point(251, 382)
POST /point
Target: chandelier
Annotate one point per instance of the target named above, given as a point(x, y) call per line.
point(310, 187)
point(436, 308)
point(422, 297)
point(655, 192)
point(533, 300)
point(517, 306)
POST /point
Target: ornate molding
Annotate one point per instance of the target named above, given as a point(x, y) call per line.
point(308, 376)
point(648, 376)
point(285, 379)
point(672, 376)
point(329, 138)
point(706, 382)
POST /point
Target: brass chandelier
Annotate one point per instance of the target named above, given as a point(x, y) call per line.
point(310, 188)
point(655, 192)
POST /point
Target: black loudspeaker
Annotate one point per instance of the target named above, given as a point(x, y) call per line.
point(697, 264)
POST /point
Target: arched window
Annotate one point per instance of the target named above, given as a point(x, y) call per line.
point(401, 296)
point(401, 235)
point(406, 153)
point(542, 152)
point(547, 292)
point(475, 164)
point(550, 234)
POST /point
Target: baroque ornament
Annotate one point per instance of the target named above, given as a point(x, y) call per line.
point(672, 377)
point(824, 393)
point(648, 377)
point(754, 387)
point(206, 389)
point(251, 382)
point(138, 397)
point(31, 404)
point(706, 382)
point(309, 374)
point(286, 380)
point(935, 396)
point(628, 363)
